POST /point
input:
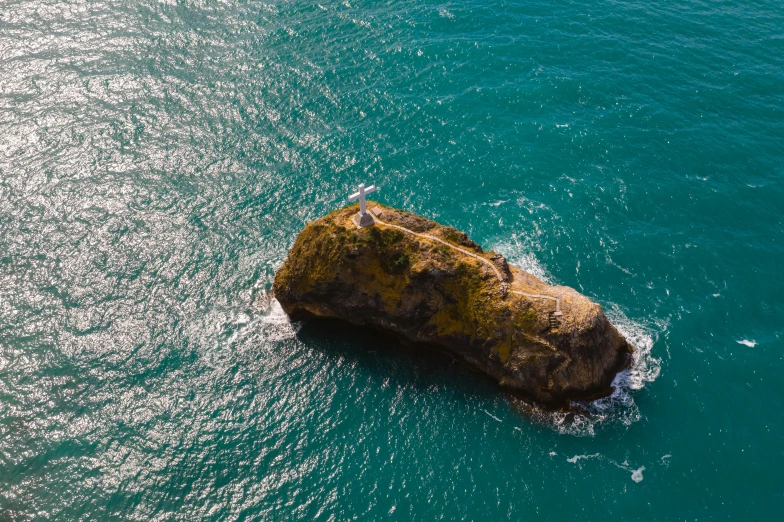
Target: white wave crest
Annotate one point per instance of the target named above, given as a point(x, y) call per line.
point(275, 324)
point(636, 473)
point(520, 255)
point(574, 459)
point(491, 415)
point(644, 367)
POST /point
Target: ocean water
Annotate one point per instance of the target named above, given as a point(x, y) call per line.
point(158, 158)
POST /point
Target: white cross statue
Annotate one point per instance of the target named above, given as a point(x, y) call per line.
point(363, 218)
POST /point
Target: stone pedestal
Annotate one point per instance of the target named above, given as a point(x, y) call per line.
point(363, 220)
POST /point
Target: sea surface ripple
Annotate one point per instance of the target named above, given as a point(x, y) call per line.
point(158, 158)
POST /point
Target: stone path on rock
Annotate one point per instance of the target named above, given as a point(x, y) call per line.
point(484, 260)
point(466, 252)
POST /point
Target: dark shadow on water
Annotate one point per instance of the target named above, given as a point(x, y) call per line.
point(419, 365)
point(423, 367)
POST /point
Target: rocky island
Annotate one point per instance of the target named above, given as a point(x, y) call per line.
point(431, 286)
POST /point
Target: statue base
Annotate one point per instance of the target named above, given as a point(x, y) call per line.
point(362, 221)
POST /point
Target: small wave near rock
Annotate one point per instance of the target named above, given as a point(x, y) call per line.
point(275, 324)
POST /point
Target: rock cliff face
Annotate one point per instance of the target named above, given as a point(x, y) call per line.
point(431, 284)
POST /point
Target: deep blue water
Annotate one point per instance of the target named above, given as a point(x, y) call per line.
point(157, 160)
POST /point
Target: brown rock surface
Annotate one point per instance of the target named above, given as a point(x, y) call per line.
point(427, 292)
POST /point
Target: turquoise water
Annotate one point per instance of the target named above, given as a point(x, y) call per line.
point(157, 160)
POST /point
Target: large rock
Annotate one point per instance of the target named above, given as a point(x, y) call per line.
point(427, 292)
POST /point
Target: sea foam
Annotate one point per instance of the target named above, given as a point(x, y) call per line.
point(275, 324)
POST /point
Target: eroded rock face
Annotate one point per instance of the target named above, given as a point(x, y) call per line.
point(427, 292)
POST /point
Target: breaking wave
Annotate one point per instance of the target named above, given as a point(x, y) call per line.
point(517, 251)
point(274, 324)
